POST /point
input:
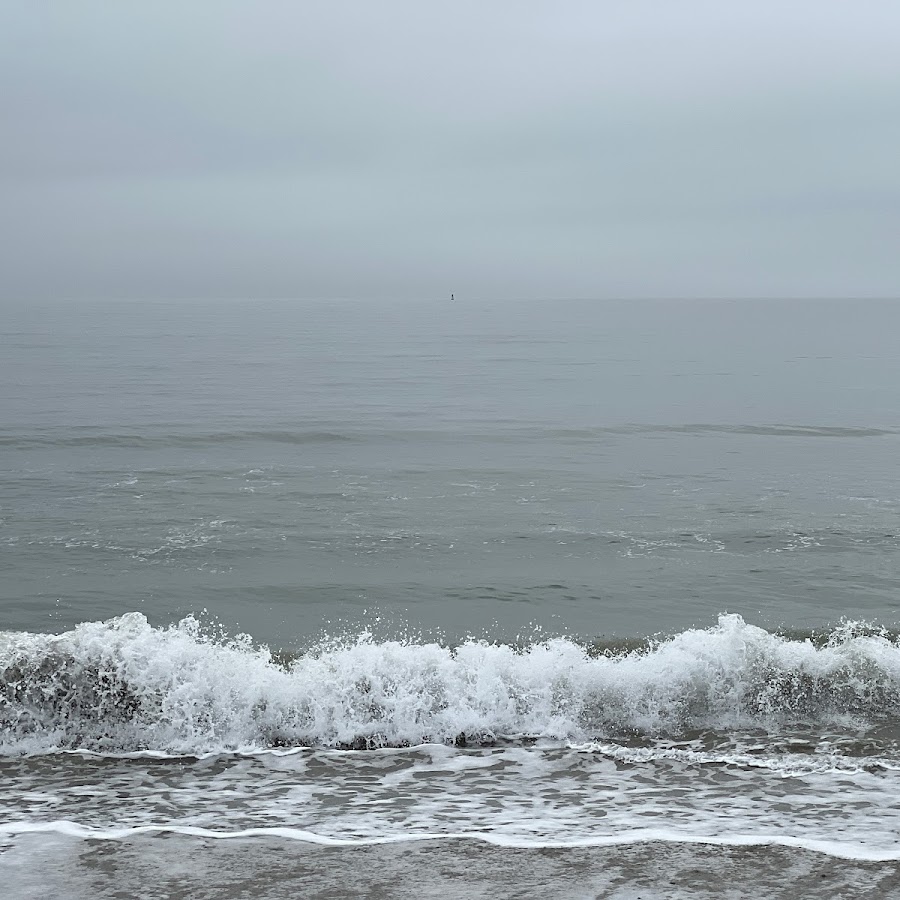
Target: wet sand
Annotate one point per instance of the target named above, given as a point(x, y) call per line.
point(37, 867)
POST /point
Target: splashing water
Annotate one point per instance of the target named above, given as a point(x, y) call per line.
point(123, 686)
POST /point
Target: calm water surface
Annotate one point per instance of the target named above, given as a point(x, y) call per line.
point(592, 468)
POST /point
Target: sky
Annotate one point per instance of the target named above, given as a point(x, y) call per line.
point(605, 148)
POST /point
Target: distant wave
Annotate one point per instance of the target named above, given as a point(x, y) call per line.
point(149, 438)
point(773, 430)
point(122, 685)
point(168, 436)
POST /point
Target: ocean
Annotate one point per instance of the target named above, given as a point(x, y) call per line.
point(411, 599)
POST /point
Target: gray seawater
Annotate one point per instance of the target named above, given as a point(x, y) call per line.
point(533, 575)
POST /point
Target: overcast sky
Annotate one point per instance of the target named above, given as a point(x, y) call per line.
point(205, 148)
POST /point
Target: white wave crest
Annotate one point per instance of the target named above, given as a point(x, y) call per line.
point(123, 685)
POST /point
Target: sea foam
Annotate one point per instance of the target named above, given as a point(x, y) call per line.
point(125, 686)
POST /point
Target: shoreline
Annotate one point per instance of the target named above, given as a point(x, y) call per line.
point(181, 866)
point(63, 828)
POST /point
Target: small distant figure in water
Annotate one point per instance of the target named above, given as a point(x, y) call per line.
point(452, 298)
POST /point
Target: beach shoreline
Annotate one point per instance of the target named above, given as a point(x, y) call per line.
point(178, 866)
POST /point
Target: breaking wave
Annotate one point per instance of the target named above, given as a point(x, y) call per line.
point(125, 686)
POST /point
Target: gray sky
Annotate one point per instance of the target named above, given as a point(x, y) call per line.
point(494, 149)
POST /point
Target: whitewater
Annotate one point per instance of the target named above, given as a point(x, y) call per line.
point(551, 744)
point(124, 686)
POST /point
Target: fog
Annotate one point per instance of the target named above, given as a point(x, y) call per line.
point(576, 149)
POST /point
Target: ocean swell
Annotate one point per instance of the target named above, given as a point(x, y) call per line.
point(125, 686)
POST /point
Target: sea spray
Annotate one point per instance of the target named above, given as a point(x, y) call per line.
point(124, 686)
